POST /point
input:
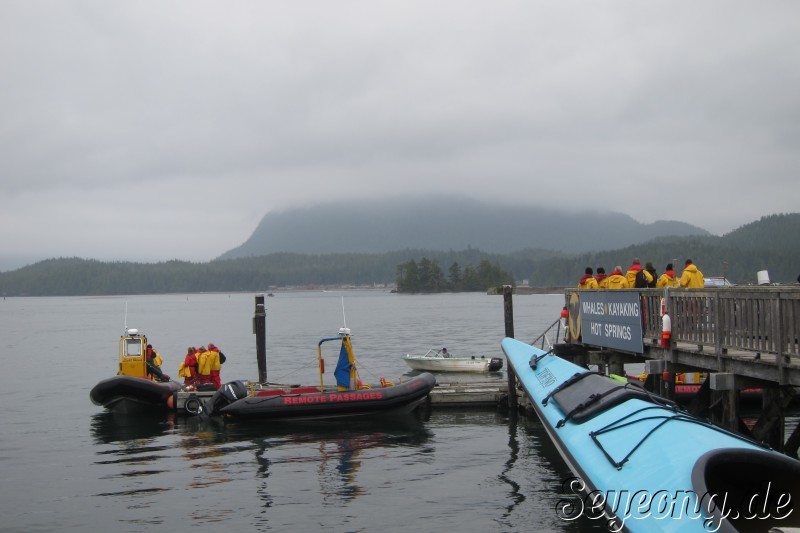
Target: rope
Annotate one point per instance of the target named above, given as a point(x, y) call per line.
point(357, 364)
point(284, 376)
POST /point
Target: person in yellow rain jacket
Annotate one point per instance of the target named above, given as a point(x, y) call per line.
point(220, 358)
point(692, 278)
point(587, 281)
point(208, 366)
point(668, 278)
point(633, 271)
point(601, 278)
point(616, 280)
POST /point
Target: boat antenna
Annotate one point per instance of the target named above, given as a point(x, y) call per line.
point(126, 317)
point(344, 330)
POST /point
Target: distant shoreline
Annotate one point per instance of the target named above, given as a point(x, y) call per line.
point(529, 290)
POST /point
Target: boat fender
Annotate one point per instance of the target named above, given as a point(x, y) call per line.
point(666, 331)
point(172, 401)
point(193, 406)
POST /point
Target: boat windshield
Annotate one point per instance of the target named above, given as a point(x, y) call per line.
point(133, 347)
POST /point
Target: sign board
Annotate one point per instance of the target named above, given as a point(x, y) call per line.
point(611, 319)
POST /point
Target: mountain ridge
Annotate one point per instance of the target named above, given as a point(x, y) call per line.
point(446, 222)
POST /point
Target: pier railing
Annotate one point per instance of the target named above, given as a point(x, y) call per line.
point(550, 337)
point(764, 320)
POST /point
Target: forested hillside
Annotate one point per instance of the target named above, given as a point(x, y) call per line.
point(771, 243)
point(73, 276)
point(768, 244)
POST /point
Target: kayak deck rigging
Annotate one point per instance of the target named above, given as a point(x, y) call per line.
point(664, 419)
point(584, 395)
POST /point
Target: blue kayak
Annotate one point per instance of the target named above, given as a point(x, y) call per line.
point(642, 464)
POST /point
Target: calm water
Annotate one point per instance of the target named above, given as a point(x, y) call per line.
point(66, 465)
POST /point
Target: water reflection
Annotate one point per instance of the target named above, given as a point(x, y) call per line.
point(335, 450)
point(109, 427)
point(515, 495)
point(148, 455)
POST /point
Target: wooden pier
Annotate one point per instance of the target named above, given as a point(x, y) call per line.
point(449, 393)
point(741, 337)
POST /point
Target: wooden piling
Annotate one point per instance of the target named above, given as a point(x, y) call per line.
point(260, 330)
point(508, 312)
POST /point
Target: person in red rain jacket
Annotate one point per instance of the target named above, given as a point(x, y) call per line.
point(154, 362)
point(188, 368)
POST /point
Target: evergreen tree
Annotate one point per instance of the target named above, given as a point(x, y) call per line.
point(454, 276)
point(408, 277)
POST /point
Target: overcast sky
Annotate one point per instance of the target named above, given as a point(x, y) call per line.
point(157, 130)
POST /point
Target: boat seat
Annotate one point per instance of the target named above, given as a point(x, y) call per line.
point(591, 394)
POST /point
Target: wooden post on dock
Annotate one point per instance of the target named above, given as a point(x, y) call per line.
point(260, 330)
point(770, 427)
point(616, 366)
point(508, 312)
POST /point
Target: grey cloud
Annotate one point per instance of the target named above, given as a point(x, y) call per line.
point(255, 106)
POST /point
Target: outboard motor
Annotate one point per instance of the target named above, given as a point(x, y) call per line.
point(495, 363)
point(225, 395)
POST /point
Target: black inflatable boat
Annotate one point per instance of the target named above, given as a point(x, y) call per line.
point(309, 403)
point(132, 394)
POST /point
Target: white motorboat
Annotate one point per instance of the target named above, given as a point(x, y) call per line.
point(442, 361)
